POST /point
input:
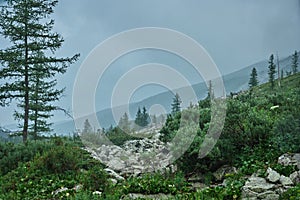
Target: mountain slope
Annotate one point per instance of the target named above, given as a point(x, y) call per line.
point(233, 82)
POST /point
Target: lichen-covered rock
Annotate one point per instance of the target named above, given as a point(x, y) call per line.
point(285, 180)
point(273, 176)
point(222, 171)
point(288, 159)
point(295, 177)
point(258, 184)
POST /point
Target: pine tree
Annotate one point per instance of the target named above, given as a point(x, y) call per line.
point(138, 117)
point(124, 123)
point(176, 104)
point(154, 120)
point(87, 128)
point(24, 24)
point(272, 71)
point(253, 78)
point(210, 93)
point(295, 62)
point(145, 117)
point(142, 119)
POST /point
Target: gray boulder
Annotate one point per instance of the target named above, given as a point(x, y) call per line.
point(285, 180)
point(273, 176)
point(258, 184)
point(288, 159)
point(295, 177)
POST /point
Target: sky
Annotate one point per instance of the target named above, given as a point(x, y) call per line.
point(235, 33)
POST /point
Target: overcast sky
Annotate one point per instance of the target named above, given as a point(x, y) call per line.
point(236, 33)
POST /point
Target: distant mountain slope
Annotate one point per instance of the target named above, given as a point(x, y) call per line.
point(234, 82)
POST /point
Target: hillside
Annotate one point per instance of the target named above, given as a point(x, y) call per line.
point(233, 82)
point(256, 156)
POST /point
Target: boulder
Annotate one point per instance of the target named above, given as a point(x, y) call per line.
point(295, 177)
point(268, 195)
point(285, 180)
point(116, 164)
point(113, 174)
point(258, 184)
point(220, 173)
point(59, 190)
point(290, 159)
point(147, 196)
point(273, 176)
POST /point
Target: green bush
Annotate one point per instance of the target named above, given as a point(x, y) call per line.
point(59, 160)
point(156, 183)
point(291, 194)
point(12, 154)
point(286, 134)
point(95, 179)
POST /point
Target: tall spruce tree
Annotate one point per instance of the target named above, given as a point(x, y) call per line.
point(29, 65)
point(295, 62)
point(176, 104)
point(124, 123)
point(87, 127)
point(142, 118)
point(253, 78)
point(138, 117)
point(272, 71)
point(145, 117)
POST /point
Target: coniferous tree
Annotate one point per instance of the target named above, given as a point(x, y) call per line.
point(24, 23)
point(295, 62)
point(253, 78)
point(176, 104)
point(154, 120)
point(124, 123)
point(142, 118)
point(138, 117)
point(210, 93)
point(145, 117)
point(87, 128)
point(272, 71)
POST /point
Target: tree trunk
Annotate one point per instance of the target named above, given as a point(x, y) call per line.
point(26, 85)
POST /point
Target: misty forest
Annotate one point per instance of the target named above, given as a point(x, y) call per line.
point(256, 154)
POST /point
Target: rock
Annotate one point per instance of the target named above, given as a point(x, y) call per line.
point(222, 171)
point(285, 180)
point(295, 177)
point(290, 159)
point(59, 190)
point(198, 186)
point(268, 195)
point(114, 181)
point(273, 176)
point(258, 184)
point(97, 193)
point(248, 194)
point(77, 187)
point(149, 196)
point(116, 164)
point(113, 174)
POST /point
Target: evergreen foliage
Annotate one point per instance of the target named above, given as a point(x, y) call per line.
point(124, 123)
point(176, 104)
point(295, 63)
point(272, 71)
point(253, 78)
point(142, 118)
point(87, 127)
point(28, 65)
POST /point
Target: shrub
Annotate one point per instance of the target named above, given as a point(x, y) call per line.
point(291, 194)
point(95, 179)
